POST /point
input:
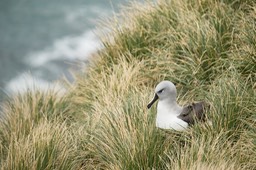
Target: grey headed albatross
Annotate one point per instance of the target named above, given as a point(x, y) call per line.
point(170, 115)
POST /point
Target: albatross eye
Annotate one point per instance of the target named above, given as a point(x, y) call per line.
point(160, 91)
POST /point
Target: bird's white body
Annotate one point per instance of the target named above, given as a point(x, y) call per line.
point(167, 108)
point(167, 112)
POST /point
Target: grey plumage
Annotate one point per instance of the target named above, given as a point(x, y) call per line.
point(194, 112)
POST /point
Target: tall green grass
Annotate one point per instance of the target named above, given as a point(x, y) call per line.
point(207, 48)
point(33, 132)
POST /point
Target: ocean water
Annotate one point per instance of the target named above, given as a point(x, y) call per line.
point(40, 40)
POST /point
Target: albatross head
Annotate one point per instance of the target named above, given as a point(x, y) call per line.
point(165, 90)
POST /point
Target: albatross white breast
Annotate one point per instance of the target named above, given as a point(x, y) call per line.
point(169, 114)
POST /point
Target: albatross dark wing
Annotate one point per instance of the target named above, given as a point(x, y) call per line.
point(193, 112)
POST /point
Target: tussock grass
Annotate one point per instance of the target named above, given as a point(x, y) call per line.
point(207, 48)
point(33, 132)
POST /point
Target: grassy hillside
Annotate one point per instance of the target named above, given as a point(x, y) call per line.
point(206, 47)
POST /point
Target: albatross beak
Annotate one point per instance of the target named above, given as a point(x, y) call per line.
point(152, 101)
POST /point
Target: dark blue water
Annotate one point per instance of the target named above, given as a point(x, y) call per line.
point(40, 38)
